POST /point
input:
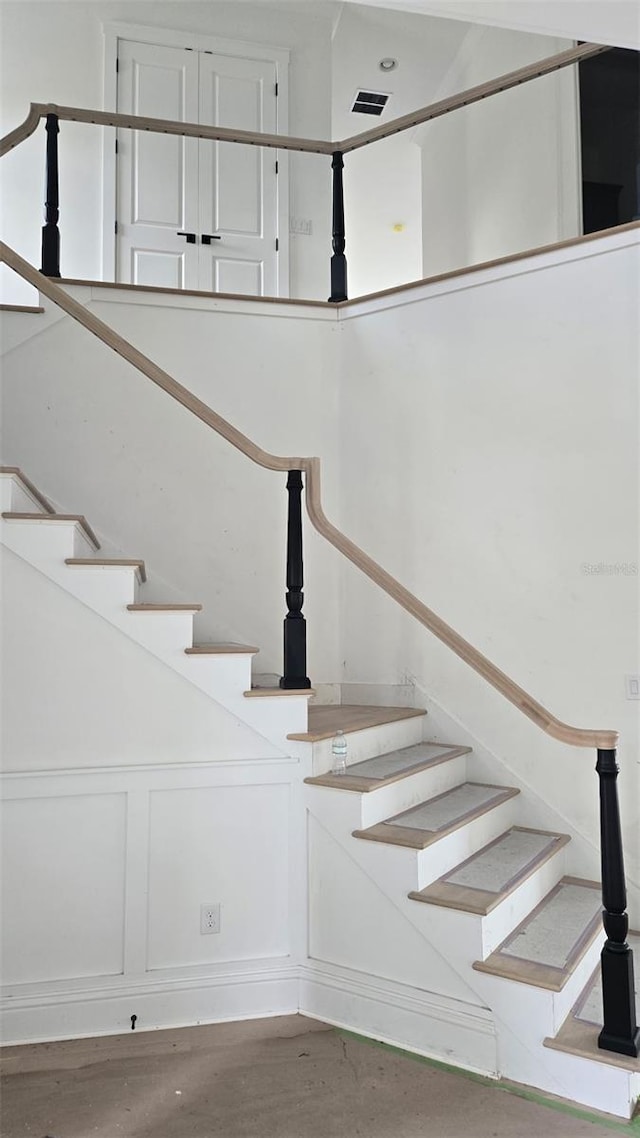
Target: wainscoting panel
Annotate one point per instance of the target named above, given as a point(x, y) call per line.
point(105, 874)
point(218, 845)
point(63, 886)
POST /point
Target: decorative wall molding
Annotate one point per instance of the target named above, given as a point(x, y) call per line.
point(425, 1023)
point(39, 1013)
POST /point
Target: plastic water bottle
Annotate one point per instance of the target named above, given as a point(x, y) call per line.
point(339, 752)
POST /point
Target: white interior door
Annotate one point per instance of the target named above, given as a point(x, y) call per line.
point(223, 194)
point(238, 184)
point(157, 174)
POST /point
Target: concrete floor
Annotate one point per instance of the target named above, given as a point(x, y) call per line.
point(288, 1077)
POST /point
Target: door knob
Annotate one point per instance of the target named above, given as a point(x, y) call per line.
point(191, 237)
point(207, 238)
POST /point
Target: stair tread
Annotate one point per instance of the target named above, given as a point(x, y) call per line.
point(579, 1032)
point(546, 947)
point(382, 770)
point(13, 516)
point(262, 693)
point(164, 608)
point(426, 823)
point(326, 719)
point(221, 649)
point(482, 881)
point(107, 562)
point(16, 472)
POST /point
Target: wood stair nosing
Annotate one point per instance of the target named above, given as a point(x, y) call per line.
point(480, 902)
point(394, 834)
point(362, 785)
point(16, 472)
point(222, 649)
point(535, 973)
point(263, 693)
point(325, 720)
point(151, 608)
point(31, 309)
point(108, 562)
point(79, 519)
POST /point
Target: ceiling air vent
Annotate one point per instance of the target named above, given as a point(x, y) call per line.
point(369, 103)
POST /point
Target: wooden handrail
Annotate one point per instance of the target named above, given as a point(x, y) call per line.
point(286, 142)
point(574, 736)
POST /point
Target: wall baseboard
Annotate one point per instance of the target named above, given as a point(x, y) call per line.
point(40, 1013)
point(425, 1023)
point(422, 1022)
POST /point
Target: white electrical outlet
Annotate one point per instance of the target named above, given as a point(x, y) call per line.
point(210, 918)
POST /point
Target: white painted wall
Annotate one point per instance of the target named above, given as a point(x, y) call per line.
point(503, 175)
point(494, 472)
point(157, 483)
point(489, 460)
point(53, 52)
point(113, 839)
point(383, 182)
point(598, 21)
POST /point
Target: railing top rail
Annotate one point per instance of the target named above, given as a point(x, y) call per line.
point(574, 736)
point(286, 142)
point(473, 95)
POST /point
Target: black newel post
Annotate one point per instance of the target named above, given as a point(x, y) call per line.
point(295, 626)
point(620, 1032)
point(338, 260)
point(50, 231)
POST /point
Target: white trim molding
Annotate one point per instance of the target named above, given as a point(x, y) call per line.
point(425, 1023)
point(76, 1009)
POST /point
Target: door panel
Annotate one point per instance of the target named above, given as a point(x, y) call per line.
point(238, 189)
point(167, 184)
point(234, 275)
point(150, 267)
point(157, 173)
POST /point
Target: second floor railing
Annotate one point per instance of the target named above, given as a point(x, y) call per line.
point(54, 114)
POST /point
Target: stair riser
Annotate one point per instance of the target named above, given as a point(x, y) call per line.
point(443, 855)
point(165, 634)
point(45, 545)
point(410, 791)
point(596, 1085)
point(337, 810)
point(213, 674)
point(277, 716)
point(471, 933)
point(393, 868)
point(533, 1012)
point(506, 916)
point(15, 498)
point(371, 742)
point(346, 810)
point(103, 589)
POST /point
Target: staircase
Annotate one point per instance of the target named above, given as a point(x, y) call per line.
point(438, 920)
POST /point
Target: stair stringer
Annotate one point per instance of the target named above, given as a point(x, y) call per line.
point(109, 703)
point(272, 717)
point(369, 968)
point(523, 1015)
